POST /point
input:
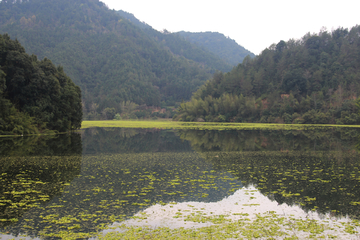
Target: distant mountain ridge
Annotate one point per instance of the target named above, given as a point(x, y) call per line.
point(133, 19)
point(180, 46)
point(222, 47)
point(225, 47)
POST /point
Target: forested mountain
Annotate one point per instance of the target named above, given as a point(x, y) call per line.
point(35, 95)
point(179, 46)
point(315, 79)
point(130, 17)
point(211, 48)
point(220, 45)
point(115, 63)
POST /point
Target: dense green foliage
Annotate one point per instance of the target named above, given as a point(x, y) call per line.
point(311, 80)
point(11, 120)
point(35, 95)
point(220, 45)
point(112, 60)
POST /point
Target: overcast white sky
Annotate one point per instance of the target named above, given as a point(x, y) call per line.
point(254, 24)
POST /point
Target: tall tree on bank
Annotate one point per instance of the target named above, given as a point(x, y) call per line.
point(35, 95)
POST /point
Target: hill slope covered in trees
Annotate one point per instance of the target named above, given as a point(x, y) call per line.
point(220, 45)
point(315, 79)
point(179, 46)
point(35, 95)
point(116, 63)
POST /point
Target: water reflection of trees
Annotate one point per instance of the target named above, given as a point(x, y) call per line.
point(37, 145)
point(33, 170)
point(246, 140)
point(127, 140)
point(316, 169)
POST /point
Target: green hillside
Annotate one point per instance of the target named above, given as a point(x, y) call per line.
point(315, 79)
point(224, 47)
point(179, 46)
point(130, 17)
point(114, 62)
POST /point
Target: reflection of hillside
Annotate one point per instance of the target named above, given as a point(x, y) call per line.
point(313, 140)
point(34, 170)
point(326, 181)
point(126, 140)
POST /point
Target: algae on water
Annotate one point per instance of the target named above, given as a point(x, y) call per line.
point(183, 183)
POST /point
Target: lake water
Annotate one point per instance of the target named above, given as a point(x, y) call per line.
point(104, 181)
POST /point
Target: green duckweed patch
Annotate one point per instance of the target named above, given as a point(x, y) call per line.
point(264, 226)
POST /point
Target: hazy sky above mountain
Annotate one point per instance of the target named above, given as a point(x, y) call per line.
point(254, 25)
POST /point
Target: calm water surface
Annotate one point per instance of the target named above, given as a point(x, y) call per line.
point(93, 181)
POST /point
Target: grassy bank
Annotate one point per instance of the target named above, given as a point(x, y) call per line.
point(168, 124)
point(165, 124)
